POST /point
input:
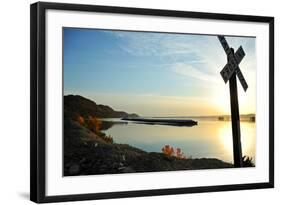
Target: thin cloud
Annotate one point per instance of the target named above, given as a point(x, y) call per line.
point(190, 71)
point(174, 48)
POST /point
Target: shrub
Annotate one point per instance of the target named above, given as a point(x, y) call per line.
point(180, 154)
point(94, 124)
point(80, 120)
point(169, 151)
point(247, 161)
point(108, 139)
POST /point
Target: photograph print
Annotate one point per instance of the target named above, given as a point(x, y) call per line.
point(139, 101)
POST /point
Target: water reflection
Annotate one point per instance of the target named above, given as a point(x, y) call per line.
point(106, 124)
point(210, 139)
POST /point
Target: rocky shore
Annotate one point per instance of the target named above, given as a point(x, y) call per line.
point(87, 153)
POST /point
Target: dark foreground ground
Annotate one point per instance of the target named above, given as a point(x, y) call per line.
point(86, 153)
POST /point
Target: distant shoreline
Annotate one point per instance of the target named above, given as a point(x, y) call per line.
point(243, 118)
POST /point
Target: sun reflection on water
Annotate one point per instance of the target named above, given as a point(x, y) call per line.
point(247, 139)
point(210, 139)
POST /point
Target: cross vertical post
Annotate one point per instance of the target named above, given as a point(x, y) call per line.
point(235, 120)
point(229, 73)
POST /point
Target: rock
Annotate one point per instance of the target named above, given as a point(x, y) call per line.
point(127, 170)
point(103, 168)
point(82, 160)
point(74, 169)
point(115, 165)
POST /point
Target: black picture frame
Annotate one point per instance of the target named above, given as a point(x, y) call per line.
point(38, 101)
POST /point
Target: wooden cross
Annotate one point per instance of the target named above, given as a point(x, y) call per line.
point(229, 72)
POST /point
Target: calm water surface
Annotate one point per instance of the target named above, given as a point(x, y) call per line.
point(210, 138)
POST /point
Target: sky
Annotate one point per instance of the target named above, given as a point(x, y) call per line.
point(155, 74)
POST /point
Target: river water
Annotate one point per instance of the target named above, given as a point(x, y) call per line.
point(209, 139)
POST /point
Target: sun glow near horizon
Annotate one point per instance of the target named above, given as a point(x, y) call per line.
point(161, 106)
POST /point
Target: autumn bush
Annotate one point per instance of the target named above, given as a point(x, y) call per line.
point(169, 151)
point(180, 154)
point(94, 124)
point(80, 120)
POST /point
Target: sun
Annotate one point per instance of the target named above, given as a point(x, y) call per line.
point(220, 99)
